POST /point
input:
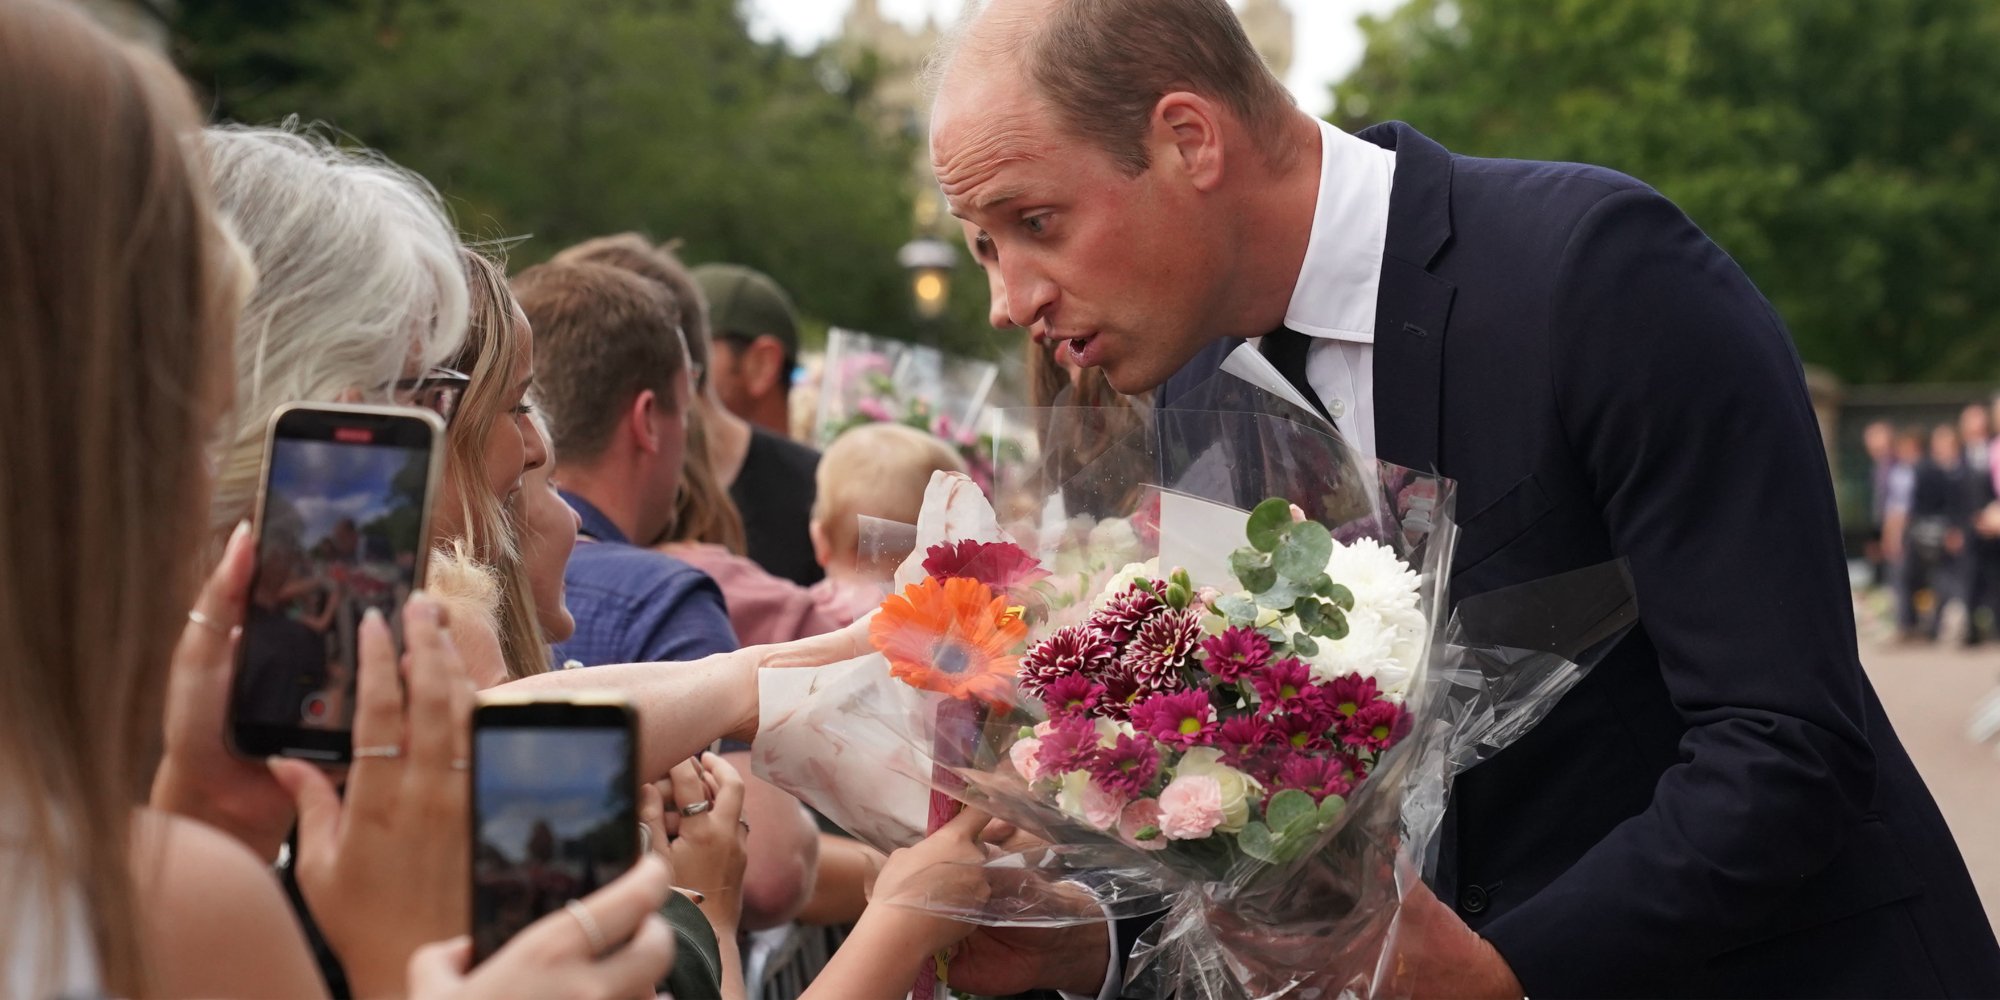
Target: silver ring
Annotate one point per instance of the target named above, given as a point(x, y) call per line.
point(589, 924)
point(697, 808)
point(211, 624)
point(387, 752)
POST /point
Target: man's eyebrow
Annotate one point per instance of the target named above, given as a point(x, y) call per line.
point(996, 199)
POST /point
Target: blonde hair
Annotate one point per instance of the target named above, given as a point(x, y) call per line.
point(704, 511)
point(466, 586)
point(359, 283)
point(876, 470)
point(120, 293)
point(491, 357)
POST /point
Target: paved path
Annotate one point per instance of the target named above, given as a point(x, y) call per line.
point(1930, 691)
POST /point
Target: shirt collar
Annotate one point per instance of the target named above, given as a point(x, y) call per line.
point(593, 522)
point(1335, 294)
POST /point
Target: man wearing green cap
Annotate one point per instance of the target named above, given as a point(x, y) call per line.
point(755, 347)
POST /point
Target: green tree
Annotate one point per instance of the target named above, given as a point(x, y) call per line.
point(1847, 154)
point(560, 121)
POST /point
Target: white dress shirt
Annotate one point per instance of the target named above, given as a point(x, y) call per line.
point(1333, 301)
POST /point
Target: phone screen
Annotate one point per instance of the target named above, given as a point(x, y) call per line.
point(342, 531)
point(554, 811)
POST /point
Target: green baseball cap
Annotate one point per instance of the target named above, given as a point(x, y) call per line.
point(747, 303)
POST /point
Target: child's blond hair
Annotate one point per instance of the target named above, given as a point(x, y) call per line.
point(875, 470)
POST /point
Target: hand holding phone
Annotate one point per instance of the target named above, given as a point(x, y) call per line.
point(554, 809)
point(384, 867)
point(343, 527)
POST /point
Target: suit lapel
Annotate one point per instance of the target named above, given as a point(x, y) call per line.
point(1413, 306)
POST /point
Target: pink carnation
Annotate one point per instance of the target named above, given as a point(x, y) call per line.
point(1140, 814)
point(1025, 754)
point(1101, 808)
point(1191, 807)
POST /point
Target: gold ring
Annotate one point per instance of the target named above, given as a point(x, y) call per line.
point(388, 752)
point(589, 924)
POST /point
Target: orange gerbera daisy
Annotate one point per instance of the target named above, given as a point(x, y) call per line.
point(956, 637)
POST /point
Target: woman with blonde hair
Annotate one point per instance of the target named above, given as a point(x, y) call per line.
point(121, 291)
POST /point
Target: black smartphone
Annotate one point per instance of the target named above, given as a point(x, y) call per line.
point(343, 525)
point(555, 808)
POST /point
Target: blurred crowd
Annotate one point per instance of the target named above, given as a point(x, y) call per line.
point(1934, 502)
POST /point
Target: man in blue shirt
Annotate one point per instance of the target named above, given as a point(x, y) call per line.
point(614, 375)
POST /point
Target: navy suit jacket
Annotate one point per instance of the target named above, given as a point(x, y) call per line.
point(1721, 807)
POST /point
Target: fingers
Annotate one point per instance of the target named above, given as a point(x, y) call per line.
point(653, 814)
point(619, 908)
point(966, 826)
point(636, 968)
point(687, 785)
point(220, 604)
point(319, 811)
point(434, 672)
point(728, 786)
point(435, 969)
point(378, 712)
point(820, 650)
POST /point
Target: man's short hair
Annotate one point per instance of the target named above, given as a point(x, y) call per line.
point(1104, 65)
point(602, 335)
point(657, 262)
point(876, 470)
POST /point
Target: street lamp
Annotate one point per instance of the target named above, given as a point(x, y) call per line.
point(930, 262)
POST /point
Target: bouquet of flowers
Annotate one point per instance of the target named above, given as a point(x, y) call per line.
point(868, 379)
point(1225, 727)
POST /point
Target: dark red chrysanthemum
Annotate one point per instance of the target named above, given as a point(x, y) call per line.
point(1235, 654)
point(1127, 766)
point(1282, 685)
point(1122, 616)
point(1068, 746)
point(1003, 566)
point(1178, 720)
point(1319, 777)
point(1073, 694)
point(1350, 694)
point(1074, 650)
point(1378, 726)
point(1162, 650)
point(1300, 732)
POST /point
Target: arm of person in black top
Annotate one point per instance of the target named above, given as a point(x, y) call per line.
point(1680, 392)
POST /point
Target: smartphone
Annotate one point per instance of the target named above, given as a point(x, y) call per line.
point(555, 808)
point(343, 525)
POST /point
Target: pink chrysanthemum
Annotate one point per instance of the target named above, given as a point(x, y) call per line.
point(1235, 654)
point(1319, 777)
point(1069, 746)
point(1300, 732)
point(1073, 694)
point(1281, 685)
point(1377, 726)
point(1120, 618)
point(1071, 651)
point(1180, 720)
point(1127, 766)
point(1161, 650)
point(1350, 694)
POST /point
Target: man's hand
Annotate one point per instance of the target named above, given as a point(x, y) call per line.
point(1437, 955)
point(999, 961)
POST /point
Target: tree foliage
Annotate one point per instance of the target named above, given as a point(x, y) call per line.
point(1847, 154)
point(561, 121)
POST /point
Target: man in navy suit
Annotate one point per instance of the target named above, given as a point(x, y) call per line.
point(1721, 808)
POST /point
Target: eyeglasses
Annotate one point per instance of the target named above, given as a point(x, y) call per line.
point(438, 391)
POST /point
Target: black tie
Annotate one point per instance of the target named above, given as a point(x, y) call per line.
point(1286, 349)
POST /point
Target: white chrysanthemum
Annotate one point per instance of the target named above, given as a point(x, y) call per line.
point(1384, 645)
point(1122, 580)
point(1113, 538)
point(1378, 579)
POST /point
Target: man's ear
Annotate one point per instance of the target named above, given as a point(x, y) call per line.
point(764, 365)
point(1187, 130)
point(639, 421)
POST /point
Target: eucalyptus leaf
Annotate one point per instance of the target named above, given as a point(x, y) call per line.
point(1256, 841)
point(1310, 614)
point(1304, 645)
point(1259, 580)
point(1303, 554)
point(1275, 635)
point(1247, 560)
point(1288, 807)
point(1330, 809)
point(1280, 595)
point(1339, 595)
point(1268, 523)
point(1237, 608)
point(1323, 586)
point(1333, 624)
